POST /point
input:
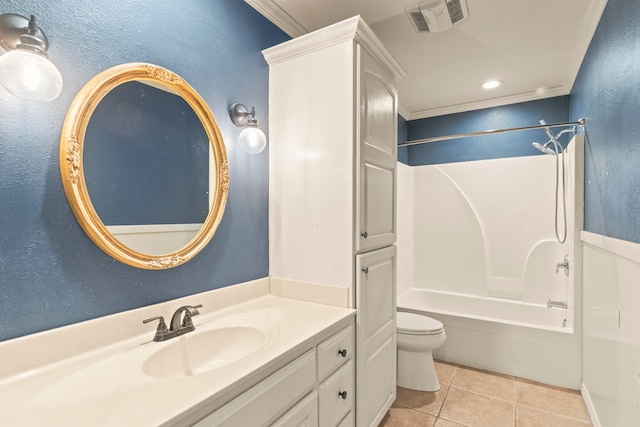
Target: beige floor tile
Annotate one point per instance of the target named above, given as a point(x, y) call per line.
point(444, 423)
point(446, 372)
point(531, 417)
point(477, 410)
point(405, 417)
point(423, 401)
point(548, 398)
point(483, 382)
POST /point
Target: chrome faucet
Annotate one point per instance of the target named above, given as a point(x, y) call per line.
point(179, 325)
point(564, 264)
point(557, 304)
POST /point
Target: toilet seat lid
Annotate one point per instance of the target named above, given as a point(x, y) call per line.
point(412, 323)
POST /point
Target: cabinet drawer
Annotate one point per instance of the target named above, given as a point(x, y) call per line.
point(334, 351)
point(304, 414)
point(336, 396)
point(270, 397)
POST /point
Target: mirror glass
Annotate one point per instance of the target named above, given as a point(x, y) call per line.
point(151, 178)
point(146, 163)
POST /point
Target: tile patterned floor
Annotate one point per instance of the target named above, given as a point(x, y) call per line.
point(474, 398)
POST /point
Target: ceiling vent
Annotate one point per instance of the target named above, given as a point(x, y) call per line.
point(437, 15)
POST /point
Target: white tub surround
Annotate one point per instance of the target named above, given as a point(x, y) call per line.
point(611, 337)
point(486, 228)
point(94, 373)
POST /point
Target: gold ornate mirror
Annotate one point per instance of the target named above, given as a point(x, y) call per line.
point(144, 166)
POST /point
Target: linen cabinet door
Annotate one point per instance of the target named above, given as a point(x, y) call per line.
point(375, 335)
point(377, 152)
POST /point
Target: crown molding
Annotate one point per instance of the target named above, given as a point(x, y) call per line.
point(595, 9)
point(488, 103)
point(350, 29)
point(278, 16)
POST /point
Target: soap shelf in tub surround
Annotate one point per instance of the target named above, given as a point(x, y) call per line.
point(101, 372)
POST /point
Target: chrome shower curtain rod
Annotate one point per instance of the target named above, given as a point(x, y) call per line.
point(580, 122)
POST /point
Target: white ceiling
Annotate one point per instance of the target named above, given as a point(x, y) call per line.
point(534, 46)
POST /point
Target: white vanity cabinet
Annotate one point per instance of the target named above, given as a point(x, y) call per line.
point(332, 186)
point(314, 389)
point(336, 375)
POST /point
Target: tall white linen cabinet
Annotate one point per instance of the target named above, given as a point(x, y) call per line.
point(332, 186)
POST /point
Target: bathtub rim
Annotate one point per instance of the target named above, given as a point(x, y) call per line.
point(411, 308)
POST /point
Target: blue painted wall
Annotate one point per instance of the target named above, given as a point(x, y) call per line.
point(403, 152)
point(51, 274)
point(607, 93)
point(512, 144)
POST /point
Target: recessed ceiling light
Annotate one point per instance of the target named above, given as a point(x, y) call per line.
point(491, 84)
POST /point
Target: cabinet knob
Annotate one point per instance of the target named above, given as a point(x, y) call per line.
point(343, 352)
point(365, 234)
point(365, 270)
point(343, 395)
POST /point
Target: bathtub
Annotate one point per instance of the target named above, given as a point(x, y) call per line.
point(488, 309)
point(524, 340)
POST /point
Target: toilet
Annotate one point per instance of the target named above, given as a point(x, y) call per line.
point(418, 336)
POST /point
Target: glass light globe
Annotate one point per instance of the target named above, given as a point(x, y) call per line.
point(252, 140)
point(28, 75)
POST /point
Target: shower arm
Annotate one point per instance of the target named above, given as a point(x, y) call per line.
point(547, 130)
point(580, 122)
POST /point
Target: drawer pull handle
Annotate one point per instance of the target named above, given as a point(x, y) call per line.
point(343, 395)
point(366, 270)
point(365, 234)
point(343, 352)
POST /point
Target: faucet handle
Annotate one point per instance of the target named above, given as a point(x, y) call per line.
point(162, 327)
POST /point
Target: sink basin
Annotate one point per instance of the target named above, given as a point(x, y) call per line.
point(203, 351)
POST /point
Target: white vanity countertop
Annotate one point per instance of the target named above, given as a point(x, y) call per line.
point(107, 385)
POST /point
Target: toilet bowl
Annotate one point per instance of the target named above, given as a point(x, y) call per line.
point(418, 336)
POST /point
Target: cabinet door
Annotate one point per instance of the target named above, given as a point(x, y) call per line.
point(377, 156)
point(304, 414)
point(375, 335)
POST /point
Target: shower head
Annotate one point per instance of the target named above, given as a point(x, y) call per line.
point(544, 148)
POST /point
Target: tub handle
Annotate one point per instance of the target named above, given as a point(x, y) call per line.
point(365, 270)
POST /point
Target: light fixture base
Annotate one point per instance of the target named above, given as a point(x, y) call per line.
point(239, 114)
point(12, 26)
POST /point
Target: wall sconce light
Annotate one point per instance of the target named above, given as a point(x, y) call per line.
point(25, 70)
point(252, 140)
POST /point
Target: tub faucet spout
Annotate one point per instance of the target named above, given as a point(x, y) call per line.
point(557, 304)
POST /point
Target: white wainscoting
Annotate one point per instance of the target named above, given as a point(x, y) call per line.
point(611, 330)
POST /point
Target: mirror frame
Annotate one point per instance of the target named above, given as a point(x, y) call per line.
point(72, 169)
